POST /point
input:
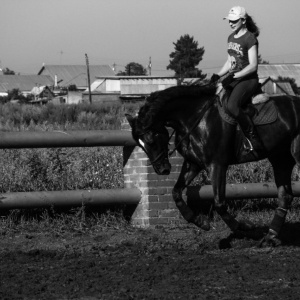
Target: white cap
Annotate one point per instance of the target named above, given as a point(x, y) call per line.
point(235, 13)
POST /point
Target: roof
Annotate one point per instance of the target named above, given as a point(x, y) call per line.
point(37, 90)
point(117, 77)
point(276, 88)
point(76, 74)
point(23, 82)
point(286, 88)
point(283, 70)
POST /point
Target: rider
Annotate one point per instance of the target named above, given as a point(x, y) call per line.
point(241, 68)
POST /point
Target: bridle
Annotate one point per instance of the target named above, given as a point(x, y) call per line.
point(158, 157)
point(207, 105)
point(198, 120)
point(169, 153)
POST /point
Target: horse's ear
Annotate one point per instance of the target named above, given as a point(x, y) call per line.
point(130, 119)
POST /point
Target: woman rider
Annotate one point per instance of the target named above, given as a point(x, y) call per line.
point(241, 66)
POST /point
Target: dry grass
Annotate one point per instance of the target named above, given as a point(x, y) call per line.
point(88, 168)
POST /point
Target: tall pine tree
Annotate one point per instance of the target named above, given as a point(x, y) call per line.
point(186, 57)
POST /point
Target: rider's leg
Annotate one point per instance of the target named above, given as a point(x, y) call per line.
point(239, 97)
point(249, 131)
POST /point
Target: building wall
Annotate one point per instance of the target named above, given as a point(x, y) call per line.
point(113, 85)
point(145, 86)
point(73, 97)
point(101, 98)
point(279, 88)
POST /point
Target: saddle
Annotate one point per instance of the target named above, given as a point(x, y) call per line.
point(262, 109)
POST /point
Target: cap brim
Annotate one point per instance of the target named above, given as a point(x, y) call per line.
point(231, 18)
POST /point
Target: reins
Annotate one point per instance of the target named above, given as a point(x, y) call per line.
point(207, 105)
point(203, 112)
point(159, 155)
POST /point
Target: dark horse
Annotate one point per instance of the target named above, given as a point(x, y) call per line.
point(206, 141)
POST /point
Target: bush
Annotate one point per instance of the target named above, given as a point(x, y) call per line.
point(79, 116)
point(61, 168)
point(86, 168)
point(24, 170)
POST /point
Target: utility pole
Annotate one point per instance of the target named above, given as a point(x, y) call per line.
point(114, 67)
point(88, 76)
point(150, 66)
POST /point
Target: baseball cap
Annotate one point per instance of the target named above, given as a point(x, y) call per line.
point(235, 13)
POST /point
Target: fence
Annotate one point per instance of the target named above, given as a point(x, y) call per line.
point(151, 193)
point(30, 139)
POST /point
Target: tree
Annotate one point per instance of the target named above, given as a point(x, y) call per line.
point(186, 57)
point(132, 69)
point(72, 87)
point(262, 61)
point(292, 82)
point(14, 94)
point(7, 71)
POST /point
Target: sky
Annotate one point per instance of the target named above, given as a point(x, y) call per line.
point(117, 32)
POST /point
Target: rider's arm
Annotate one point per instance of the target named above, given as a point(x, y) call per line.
point(253, 63)
point(225, 68)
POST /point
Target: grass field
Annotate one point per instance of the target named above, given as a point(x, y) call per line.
point(23, 170)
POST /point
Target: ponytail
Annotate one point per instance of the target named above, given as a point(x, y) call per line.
point(251, 26)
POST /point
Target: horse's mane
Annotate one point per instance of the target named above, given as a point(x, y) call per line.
point(157, 102)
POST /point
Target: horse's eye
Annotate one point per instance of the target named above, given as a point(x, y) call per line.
point(149, 138)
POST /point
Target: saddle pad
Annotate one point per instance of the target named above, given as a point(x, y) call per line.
point(267, 113)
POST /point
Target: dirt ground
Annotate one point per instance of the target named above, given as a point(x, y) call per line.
point(161, 263)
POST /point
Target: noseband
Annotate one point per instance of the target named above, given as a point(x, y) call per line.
point(169, 153)
point(162, 153)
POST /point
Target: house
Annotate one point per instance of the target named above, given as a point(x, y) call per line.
point(284, 70)
point(42, 94)
point(273, 88)
point(116, 88)
point(66, 75)
point(71, 97)
point(25, 83)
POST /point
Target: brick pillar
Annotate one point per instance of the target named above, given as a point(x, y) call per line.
point(157, 206)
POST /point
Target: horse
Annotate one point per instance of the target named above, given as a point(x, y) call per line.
point(207, 141)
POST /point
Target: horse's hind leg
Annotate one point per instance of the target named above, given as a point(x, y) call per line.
point(188, 172)
point(282, 172)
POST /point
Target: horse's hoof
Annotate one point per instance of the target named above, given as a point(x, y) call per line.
point(270, 240)
point(202, 222)
point(206, 226)
point(246, 225)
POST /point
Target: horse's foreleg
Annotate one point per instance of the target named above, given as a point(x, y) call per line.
point(219, 187)
point(188, 172)
point(282, 174)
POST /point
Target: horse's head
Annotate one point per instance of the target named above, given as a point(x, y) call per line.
point(154, 140)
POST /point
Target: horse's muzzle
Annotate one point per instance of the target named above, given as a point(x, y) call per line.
point(164, 168)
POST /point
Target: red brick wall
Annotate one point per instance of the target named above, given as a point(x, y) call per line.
point(157, 206)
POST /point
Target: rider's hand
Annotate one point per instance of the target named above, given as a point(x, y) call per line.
point(214, 78)
point(227, 81)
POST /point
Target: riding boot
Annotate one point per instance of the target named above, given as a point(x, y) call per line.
point(249, 131)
